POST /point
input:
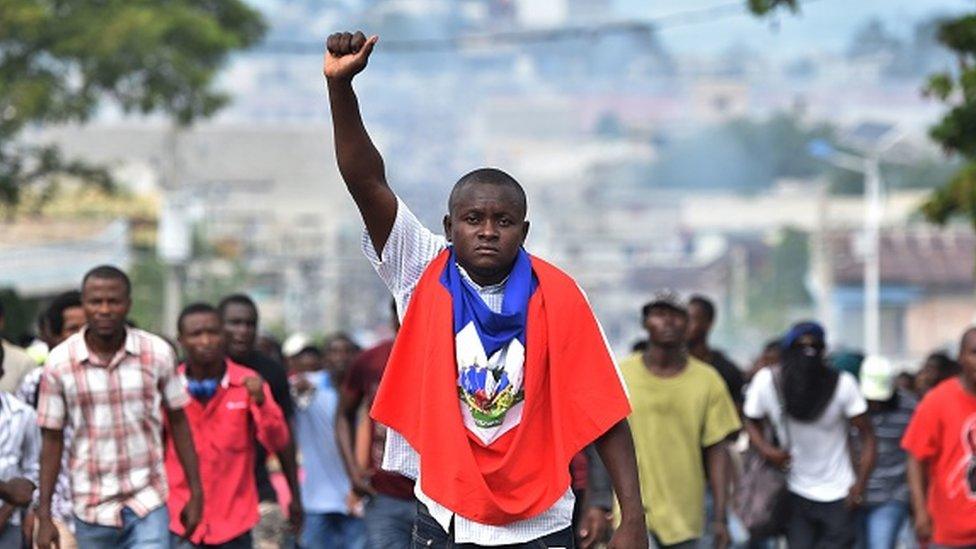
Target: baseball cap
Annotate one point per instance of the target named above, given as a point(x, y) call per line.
point(295, 344)
point(666, 298)
point(877, 378)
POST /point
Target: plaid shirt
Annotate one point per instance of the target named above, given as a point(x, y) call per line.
point(116, 456)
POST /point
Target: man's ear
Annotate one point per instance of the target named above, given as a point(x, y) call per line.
point(447, 227)
point(525, 231)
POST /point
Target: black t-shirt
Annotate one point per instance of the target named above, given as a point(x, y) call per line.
point(731, 374)
point(274, 375)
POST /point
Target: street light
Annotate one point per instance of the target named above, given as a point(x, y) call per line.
point(874, 140)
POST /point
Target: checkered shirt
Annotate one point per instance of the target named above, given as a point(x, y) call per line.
point(115, 410)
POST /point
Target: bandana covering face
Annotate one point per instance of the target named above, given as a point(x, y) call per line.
point(494, 441)
point(490, 349)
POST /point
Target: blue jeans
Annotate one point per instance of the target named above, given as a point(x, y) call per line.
point(333, 531)
point(389, 522)
point(148, 532)
point(881, 523)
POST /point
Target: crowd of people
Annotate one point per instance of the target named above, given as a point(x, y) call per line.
point(132, 447)
point(496, 417)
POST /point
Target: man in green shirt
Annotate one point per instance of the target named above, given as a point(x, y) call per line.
point(680, 406)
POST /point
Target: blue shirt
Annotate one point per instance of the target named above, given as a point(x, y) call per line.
point(325, 485)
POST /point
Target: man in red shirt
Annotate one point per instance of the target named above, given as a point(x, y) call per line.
point(391, 510)
point(941, 446)
point(230, 402)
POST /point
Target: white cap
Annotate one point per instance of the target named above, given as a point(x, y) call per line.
point(877, 378)
point(295, 344)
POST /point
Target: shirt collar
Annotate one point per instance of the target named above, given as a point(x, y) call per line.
point(489, 289)
point(233, 374)
point(131, 345)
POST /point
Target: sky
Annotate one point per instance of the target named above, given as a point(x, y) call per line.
point(821, 25)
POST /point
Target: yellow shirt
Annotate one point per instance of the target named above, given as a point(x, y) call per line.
point(672, 420)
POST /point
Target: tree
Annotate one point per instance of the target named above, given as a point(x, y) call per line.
point(956, 132)
point(766, 7)
point(61, 59)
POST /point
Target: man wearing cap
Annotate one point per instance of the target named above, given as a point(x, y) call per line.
point(886, 498)
point(680, 407)
point(813, 407)
point(325, 485)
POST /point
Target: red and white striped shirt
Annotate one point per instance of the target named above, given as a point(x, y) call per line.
point(115, 409)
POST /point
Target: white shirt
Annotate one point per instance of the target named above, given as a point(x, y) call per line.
point(408, 250)
point(20, 443)
point(821, 467)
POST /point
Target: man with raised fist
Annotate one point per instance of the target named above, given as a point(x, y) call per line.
point(500, 373)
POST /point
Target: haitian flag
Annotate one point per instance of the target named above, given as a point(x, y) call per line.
point(497, 406)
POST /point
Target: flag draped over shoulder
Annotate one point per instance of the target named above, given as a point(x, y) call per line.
point(572, 395)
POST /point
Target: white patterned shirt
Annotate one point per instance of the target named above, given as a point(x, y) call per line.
point(61, 500)
point(20, 442)
point(408, 250)
point(116, 411)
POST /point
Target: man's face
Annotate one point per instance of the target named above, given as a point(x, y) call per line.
point(487, 227)
point(240, 328)
point(106, 303)
point(967, 357)
point(698, 323)
point(305, 362)
point(73, 320)
point(202, 337)
point(339, 354)
point(811, 345)
point(666, 327)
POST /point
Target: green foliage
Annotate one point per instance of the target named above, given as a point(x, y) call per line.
point(956, 198)
point(148, 276)
point(777, 291)
point(20, 314)
point(956, 132)
point(765, 7)
point(59, 59)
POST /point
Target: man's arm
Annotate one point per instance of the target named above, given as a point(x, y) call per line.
point(288, 458)
point(717, 460)
point(52, 445)
point(917, 484)
point(349, 403)
point(777, 456)
point(616, 448)
point(359, 161)
point(865, 463)
point(183, 443)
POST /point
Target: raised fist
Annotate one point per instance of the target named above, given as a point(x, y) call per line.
point(346, 54)
point(255, 387)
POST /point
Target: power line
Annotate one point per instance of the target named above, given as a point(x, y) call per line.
point(636, 27)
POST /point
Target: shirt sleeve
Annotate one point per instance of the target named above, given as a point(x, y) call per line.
point(721, 417)
point(754, 406)
point(271, 429)
point(855, 404)
point(30, 456)
point(51, 409)
point(29, 387)
point(171, 383)
point(408, 250)
point(923, 437)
